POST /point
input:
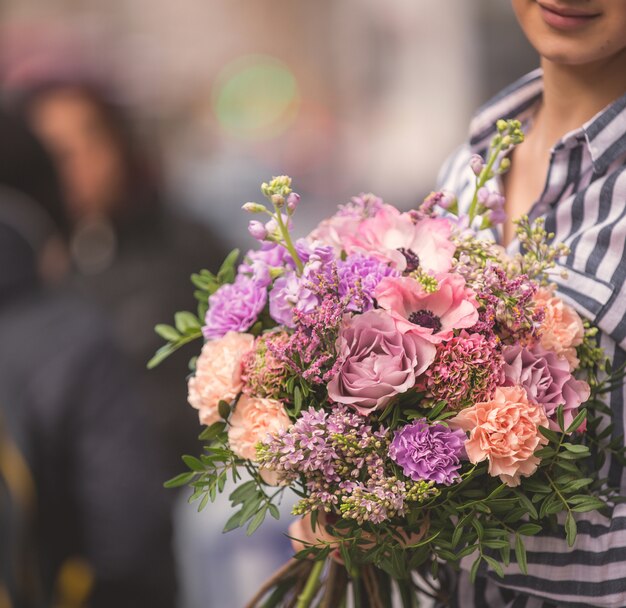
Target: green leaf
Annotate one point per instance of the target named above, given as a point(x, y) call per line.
point(226, 273)
point(163, 353)
point(529, 529)
point(186, 321)
point(570, 530)
point(180, 480)
point(259, 518)
point(474, 569)
point(297, 400)
point(243, 492)
point(520, 554)
point(233, 522)
point(560, 417)
point(496, 566)
point(223, 408)
point(274, 512)
point(435, 411)
point(576, 448)
point(574, 426)
point(167, 332)
point(549, 434)
point(193, 463)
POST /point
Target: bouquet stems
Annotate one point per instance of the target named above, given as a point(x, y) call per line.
point(312, 584)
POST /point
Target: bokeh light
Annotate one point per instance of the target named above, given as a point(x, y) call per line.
point(256, 97)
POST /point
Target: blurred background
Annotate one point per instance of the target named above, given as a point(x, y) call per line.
point(162, 118)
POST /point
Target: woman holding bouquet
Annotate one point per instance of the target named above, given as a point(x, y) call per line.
point(571, 170)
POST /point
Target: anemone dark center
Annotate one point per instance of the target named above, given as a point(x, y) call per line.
point(412, 259)
point(425, 318)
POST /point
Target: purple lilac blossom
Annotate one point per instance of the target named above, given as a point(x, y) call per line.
point(258, 262)
point(358, 277)
point(234, 307)
point(547, 379)
point(429, 452)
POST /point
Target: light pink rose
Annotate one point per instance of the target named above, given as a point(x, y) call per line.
point(251, 422)
point(389, 233)
point(433, 316)
point(505, 431)
point(378, 361)
point(218, 374)
point(562, 328)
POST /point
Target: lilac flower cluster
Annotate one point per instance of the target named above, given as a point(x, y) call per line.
point(508, 306)
point(359, 275)
point(344, 461)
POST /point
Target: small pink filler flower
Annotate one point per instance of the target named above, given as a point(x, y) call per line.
point(251, 422)
point(505, 431)
point(218, 374)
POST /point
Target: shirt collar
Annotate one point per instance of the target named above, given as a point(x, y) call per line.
point(604, 134)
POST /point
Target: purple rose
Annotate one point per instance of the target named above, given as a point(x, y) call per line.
point(429, 452)
point(377, 361)
point(234, 307)
point(547, 380)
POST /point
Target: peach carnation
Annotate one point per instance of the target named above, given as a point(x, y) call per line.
point(562, 328)
point(505, 431)
point(251, 422)
point(218, 374)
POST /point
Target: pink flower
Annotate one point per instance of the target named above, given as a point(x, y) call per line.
point(378, 361)
point(505, 431)
point(547, 380)
point(433, 316)
point(251, 422)
point(218, 374)
point(562, 328)
point(392, 236)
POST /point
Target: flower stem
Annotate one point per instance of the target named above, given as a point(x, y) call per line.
point(482, 179)
point(288, 242)
point(308, 593)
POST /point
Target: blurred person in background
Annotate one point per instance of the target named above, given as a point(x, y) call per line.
point(83, 517)
point(133, 255)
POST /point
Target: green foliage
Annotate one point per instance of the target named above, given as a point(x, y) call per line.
point(187, 325)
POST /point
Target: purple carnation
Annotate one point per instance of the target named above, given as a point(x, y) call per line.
point(547, 379)
point(283, 299)
point(359, 276)
point(429, 452)
point(234, 307)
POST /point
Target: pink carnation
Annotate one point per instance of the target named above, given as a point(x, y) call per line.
point(391, 236)
point(218, 374)
point(562, 328)
point(432, 316)
point(378, 361)
point(251, 422)
point(505, 431)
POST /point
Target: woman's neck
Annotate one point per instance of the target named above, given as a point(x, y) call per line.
point(574, 94)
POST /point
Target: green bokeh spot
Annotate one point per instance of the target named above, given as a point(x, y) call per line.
point(256, 97)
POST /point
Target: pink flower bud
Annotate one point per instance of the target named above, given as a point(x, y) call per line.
point(476, 163)
point(292, 201)
point(257, 230)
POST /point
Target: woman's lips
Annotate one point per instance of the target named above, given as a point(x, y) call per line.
point(565, 18)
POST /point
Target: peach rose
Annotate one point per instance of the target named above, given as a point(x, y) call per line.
point(251, 422)
point(218, 374)
point(562, 328)
point(505, 431)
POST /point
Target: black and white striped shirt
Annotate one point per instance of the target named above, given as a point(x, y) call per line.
point(584, 204)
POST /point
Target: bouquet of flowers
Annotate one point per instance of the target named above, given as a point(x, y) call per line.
point(426, 396)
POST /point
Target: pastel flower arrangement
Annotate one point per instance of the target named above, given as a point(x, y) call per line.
point(426, 396)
